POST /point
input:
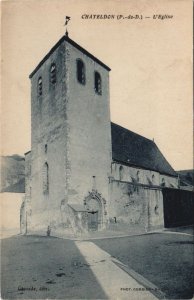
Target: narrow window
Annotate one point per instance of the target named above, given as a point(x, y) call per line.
point(45, 149)
point(121, 173)
point(156, 209)
point(81, 77)
point(39, 86)
point(97, 83)
point(163, 182)
point(45, 176)
point(153, 179)
point(53, 77)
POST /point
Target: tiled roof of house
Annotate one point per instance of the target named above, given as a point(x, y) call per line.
point(135, 150)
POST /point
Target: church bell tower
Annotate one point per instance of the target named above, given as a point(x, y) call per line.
point(71, 138)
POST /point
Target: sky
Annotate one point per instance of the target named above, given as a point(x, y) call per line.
point(150, 61)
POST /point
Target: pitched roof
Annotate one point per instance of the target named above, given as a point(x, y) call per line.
point(186, 177)
point(77, 207)
point(133, 149)
point(70, 41)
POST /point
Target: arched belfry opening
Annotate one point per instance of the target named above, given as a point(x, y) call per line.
point(81, 76)
point(95, 205)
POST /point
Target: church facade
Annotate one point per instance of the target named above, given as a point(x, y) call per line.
point(83, 172)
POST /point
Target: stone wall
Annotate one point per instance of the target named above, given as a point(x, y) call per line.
point(137, 175)
point(137, 205)
point(49, 132)
point(90, 134)
point(71, 152)
point(28, 184)
point(25, 209)
point(71, 138)
point(136, 196)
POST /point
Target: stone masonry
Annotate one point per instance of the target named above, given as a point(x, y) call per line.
point(73, 183)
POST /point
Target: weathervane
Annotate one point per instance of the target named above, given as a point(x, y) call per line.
point(67, 19)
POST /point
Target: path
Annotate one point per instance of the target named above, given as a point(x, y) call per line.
point(116, 283)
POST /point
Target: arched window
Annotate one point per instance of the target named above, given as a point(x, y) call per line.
point(97, 83)
point(45, 177)
point(53, 76)
point(121, 173)
point(39, 86)
point(81, 77)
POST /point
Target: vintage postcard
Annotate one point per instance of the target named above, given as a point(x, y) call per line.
point(97, 149)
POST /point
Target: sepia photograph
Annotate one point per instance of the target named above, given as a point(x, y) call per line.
point(97, 182)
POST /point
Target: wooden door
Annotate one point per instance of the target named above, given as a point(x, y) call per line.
point(93, 220)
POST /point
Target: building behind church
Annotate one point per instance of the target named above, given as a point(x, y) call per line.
point(83, 172)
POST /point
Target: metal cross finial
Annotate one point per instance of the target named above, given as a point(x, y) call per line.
point(67, 19)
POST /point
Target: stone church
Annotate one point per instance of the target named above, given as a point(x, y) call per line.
point(83, 172)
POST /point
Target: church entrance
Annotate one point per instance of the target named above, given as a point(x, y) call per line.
point(94, 214)
point(95, 206)
point(92, 220)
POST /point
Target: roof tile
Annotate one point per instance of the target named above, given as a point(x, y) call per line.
point(133, 149)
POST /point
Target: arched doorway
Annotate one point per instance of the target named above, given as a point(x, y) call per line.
point(94, 214)
point(95, 206)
